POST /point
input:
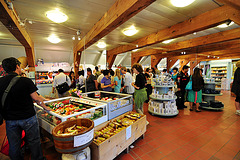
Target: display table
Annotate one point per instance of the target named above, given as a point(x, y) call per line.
point(113, 146)
point(117, 103)
point(49, 120)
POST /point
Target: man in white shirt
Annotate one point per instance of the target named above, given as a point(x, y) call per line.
point(82, 81)
point(60, 79)
point(100, 77)
point(128, 80)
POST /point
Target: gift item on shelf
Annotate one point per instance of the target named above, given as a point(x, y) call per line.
point(117, 103)
point(219, 73)
point(166, 107)
point(209, 93)
point(70, 108)
point(162, 98)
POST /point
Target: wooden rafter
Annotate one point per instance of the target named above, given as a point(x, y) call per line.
point(155, 59)
point(135, 60)
point(199, 44)
point(232, 3)
point(170, 62)
point(204, 21)
point(119, 13)
point(9, 18)
point(77, 57)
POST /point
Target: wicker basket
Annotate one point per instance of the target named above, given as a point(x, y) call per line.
point(73, 143)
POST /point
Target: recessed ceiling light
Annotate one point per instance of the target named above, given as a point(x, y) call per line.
point(79, 38)
point(195, 33)
point(167, 41)
point(73, 38)
point(208, 56)
point(130, 31)
point(56, 16)
point(217, 57)
point(101, 45)
point(225, 25)
point(54, 39)
point(181, 3)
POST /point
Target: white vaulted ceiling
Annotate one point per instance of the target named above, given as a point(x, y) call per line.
point(82, 15)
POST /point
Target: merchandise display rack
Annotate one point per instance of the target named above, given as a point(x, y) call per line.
point(218, 73)
point(163, 101)
point(210, 97)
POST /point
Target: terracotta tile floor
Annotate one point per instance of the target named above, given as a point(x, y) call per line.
point(190, 135)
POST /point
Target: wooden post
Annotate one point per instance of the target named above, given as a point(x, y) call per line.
point(135, 60)
point(193, 64)
point(76, 63)
point(170, 62)
point(182, 63)
point(155, 59)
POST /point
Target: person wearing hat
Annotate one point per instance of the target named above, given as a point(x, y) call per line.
point(236, 88)
point(182, 81)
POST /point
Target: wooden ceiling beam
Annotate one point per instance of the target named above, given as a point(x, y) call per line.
point(193, 44)
point(77, 57)
point(135, 60)
point(119, 13)
point(155, 59)
point(170, 62)
point(10, 20)
point(232, 3)
point(201, 22)
point(183, 62)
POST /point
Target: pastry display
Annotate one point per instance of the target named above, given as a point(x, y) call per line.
point(114, 127)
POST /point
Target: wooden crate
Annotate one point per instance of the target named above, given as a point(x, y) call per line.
point(113, 146)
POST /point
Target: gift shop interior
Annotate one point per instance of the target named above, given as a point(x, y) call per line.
point(144, 79)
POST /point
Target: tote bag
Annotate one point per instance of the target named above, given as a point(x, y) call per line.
point(189, 85)
point(62, 88)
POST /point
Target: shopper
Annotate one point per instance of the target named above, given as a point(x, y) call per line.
point(195, 95)
point(236, 88)
point(117, 81)
point(91, 81)
point(164, 71)
point(59, 80)
point(174, 74)
point(73, 80)
point(106, 83)
point(182, 80)
point(140, 94)
point(50, 75)
point(81, 81)
point(128, 80)
point(112, 79)
point(148, 86)
point(19, 113)
point(99, 80)
point(97, 73)
point(152, 71)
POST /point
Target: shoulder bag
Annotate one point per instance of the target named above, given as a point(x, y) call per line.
point(62, 88)
point(189, 85)
point(12, 82)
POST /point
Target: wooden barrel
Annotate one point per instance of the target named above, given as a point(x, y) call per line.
point(73, 143)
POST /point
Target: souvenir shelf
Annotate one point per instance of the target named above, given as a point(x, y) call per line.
point(163, 100)
point(218, 73)
point(208, 97)
point(67, 108)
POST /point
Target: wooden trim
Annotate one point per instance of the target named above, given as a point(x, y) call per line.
point(182, 63)
point(232, 3)
point(170, 62)
point(201, 22)
point(193, 64)
point(9, 19)
point(135, 60)
point(77, 57)
point(155, 59)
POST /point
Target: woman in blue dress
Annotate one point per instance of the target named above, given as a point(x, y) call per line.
point(117, 81)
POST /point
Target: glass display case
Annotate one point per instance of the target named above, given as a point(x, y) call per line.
point(67, 108)
point(117, 103)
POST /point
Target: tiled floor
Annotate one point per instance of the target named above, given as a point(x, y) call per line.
point(190, 135)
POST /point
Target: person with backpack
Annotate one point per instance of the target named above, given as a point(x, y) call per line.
point(16, 107)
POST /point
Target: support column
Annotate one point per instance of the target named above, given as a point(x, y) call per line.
point(193, 64)
point(182, 63)
point(170, 62)
point(76, 63)
point(155, 59)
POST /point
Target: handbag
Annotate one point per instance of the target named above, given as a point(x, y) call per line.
point(189, 85)
point(62, 88)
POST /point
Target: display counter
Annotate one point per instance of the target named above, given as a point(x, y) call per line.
point(70, 108)
point(117, 103)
